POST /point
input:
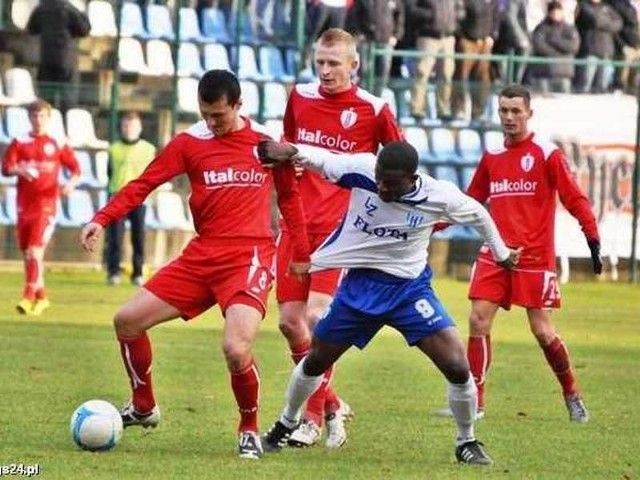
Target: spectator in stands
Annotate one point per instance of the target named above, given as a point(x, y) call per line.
point(598, 24)
point(273, 20)
point(128, 157)
point(478, 31)
point(378, 23)
point(434, 23)
point(555, 38)
point(58, 23)
point(627, 44)
point(36, 159)
point(514, 38)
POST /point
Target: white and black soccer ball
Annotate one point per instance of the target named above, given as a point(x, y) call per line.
point(96, 426)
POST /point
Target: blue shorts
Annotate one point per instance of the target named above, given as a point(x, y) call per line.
point(369, 299)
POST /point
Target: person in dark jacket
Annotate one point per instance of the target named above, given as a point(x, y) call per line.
point(627, 45)
point(380, 23)
point(478, 32)
point(514, 38)
point(598, 24)
point(434, 24)
point(554, 37)
point(58, 23)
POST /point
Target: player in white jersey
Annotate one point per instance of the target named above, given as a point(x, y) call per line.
point(383, 241)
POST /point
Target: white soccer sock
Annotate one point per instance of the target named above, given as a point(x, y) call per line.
point(463, 399)
point(300, 388)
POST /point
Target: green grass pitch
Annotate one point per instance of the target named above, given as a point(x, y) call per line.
point(50, 364)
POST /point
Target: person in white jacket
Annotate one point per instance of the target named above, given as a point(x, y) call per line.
point(383, 241)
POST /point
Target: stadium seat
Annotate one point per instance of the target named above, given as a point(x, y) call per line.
point(250, 99)
point(247, 63)
point(150, 216)
point(389, 96)
point(188, 95)
point(4, 217)
point(417, 137)
point(275, 128)
point(19, 85)
point(87, 178)
point(170, 210)
point(131, 21)
point(102, 197)
point(159, 59)
point(81, 130)
point(189, 27)
point(79, 208)
point(56, 127)
point(403, 106)
point(214, 26)
point(11, 208)
point(216, 56)
point(189, 63)
point(80, 5)
point(4, 138)
point(159, 24)
point(291, 59)
point(247, 35)
point(469, 145)
point(276, 93)
point(6, 101)
point(21, 11)
point(493, 139)
point(444, 149)
point(131, 57)
point(101, 161)
point(431, 120)
point(272, 64)
point(102, 19)
point(17, 122)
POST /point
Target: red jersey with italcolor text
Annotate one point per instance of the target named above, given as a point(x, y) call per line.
point(230, 189)
point(354, 121)
point(46, 156)
point(520, 182)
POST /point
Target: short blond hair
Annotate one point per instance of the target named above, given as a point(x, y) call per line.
point(338, 35)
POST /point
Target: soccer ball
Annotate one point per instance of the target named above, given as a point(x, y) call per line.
point(96, 426)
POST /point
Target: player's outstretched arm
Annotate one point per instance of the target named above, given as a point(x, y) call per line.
point(596, 259)
point(271, 152)
point(89, 235)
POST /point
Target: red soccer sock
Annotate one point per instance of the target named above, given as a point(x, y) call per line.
point(557, 357)
point(316, 402)
point(331, 401)
point(137, 355)
point(298, 352)
point(245, 384)
point(479, 356)
point(41, 293)
point(32, 269)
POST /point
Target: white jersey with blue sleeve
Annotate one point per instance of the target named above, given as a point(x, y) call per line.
point(390, 236)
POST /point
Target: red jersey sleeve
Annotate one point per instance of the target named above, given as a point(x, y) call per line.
point(69, 161)
point(387, 128)
point(10, 159)
point(574, 200)
point(168, 164)
point(478, 189)
point(291, 209)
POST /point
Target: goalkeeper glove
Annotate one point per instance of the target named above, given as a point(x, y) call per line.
point(596, 259)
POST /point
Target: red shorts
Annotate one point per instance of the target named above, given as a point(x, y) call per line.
point(35, 230)
point(290, 288)
point(206, 274)
point(525, 288)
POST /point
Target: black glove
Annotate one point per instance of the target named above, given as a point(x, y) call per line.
point(596, 259)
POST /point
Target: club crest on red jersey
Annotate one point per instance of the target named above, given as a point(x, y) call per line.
point(526, 162)
point(348, 118)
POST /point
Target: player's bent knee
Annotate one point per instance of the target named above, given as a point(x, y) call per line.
point(294, 330)
point(237, 354)
point(127, 324)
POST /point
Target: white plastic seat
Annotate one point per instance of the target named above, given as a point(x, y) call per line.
point(250, 99)
point(170, 210)
point(216, 57)
point(10, 205)
point(102, 19)
point(19, 85)
point(469, 144)
point(21, 11)
point(6, 101)
point(493, 139)
point(159, 60)
point(131, 56)
point(56, 127)
point(101, 162)
point(248, 64)
point(443, 144)
point(272, 64)
point(275, 128)
point(188, 95)
point(17, 122)
point(276, 95)
point(131, 22)
point(159, 23)
point(79, 208)
point(189, 63)
point(189, 27)
point(150, 216)
point(81, 130)
point(417, 137)
point(87, 178)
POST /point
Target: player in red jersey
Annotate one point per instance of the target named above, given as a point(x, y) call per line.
point(36, 159)
point(337, 115)
point(520, 180)
point(229, 260)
